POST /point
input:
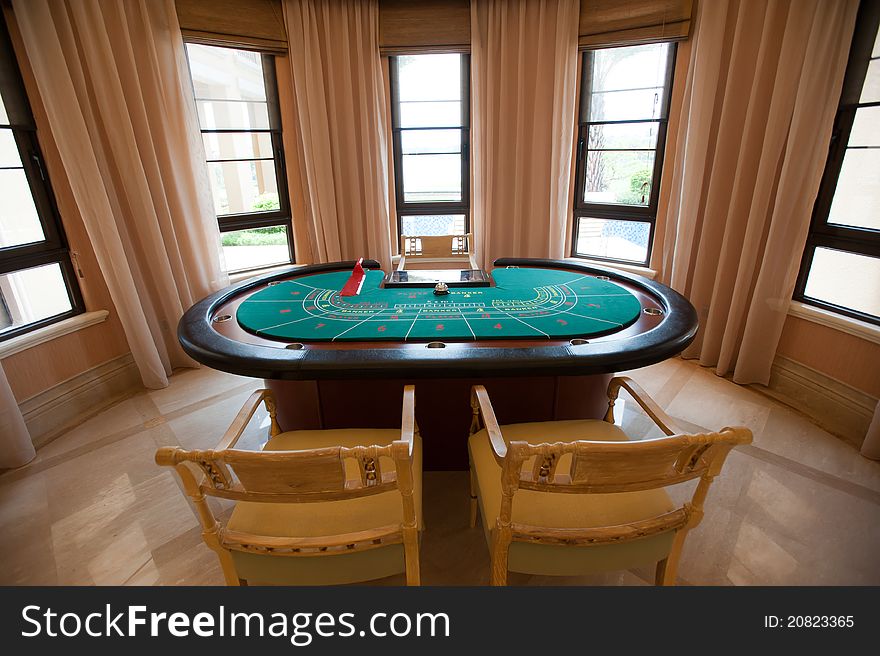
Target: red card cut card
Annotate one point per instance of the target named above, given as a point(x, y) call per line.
point(353, 286)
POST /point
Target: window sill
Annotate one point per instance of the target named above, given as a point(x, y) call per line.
point(246, 275)
point(848, 325)
point(629, 268)
point(50, 332)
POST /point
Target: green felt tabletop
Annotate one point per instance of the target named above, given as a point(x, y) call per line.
point(525, 303)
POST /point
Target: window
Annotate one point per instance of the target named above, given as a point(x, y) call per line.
point(840, 269)
point(621, 133)
point(237, 101)
point(430, 111)
point(37, 281)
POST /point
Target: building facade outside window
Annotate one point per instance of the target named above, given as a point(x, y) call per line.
point(236, 97)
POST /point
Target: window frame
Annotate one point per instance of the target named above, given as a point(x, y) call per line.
point(614, 211)
point(283, 216)
point(54, 249)
point(850, 239)
point(404, 208)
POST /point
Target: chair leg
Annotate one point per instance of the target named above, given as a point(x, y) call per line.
point(411, 556)
point(228, 567)
point(474, 505)
point(500, 548)
point(667, 569)
point(660, 572)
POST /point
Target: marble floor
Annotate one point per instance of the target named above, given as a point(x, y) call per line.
point(797, 507)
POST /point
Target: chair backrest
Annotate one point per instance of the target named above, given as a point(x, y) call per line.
point(307, 476)
point(415, 246)
point(613, 467)
point(608, 467)
point(295, 476)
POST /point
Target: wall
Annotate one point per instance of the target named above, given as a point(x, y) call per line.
point(39, 368)
point(846, 358)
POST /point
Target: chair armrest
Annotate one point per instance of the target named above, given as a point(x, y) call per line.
point(649, 405)
point(233, 433)
point(408, 426)
point(482, 406)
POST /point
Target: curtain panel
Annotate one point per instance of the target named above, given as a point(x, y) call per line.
point(339, 116)
point(16, 447)
point(759, 103)
point(113, 78)
point(524, 64)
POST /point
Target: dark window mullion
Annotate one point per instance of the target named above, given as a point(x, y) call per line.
point(634, 213)
point(248, 222)
point(628, 121)
point(431, 128)
point(621, 150)
point(853, 241)
point(20, 259)
point(241, 159)
point(239, 130)
point(438, 152)
point(415, 209)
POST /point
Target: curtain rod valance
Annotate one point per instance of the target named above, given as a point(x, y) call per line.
point(251, 24)
point(427, 26)
point(431, 25)
point(605, 23)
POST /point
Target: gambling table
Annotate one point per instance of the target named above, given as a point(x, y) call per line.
point(544, 336)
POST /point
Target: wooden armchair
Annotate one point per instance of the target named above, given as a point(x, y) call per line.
point(433, 250)
point(579, 497)
point(313, 507)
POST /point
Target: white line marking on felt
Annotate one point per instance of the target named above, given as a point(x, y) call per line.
point(297, 282)
point(406, 337)
point(350, 328)
point(580, 316)
point(286, 323)
point(527, 324)
point(572, 280)
point(467, 324)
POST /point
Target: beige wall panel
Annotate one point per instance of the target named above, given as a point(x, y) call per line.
point(847, 358)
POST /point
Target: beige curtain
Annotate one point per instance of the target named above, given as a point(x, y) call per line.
point(339, 115)
point(761, 95)
point(16, 448)
point(871, 445)
point(112, 75)
point(523, 63)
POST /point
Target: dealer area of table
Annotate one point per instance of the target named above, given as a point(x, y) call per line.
point(544, 338)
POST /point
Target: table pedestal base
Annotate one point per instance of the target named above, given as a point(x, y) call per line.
point(443, 408)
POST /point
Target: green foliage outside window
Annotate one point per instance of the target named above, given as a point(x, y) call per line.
point(639, 188)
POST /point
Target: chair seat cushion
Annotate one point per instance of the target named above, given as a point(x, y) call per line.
point(327, 518)
point(567, 510)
